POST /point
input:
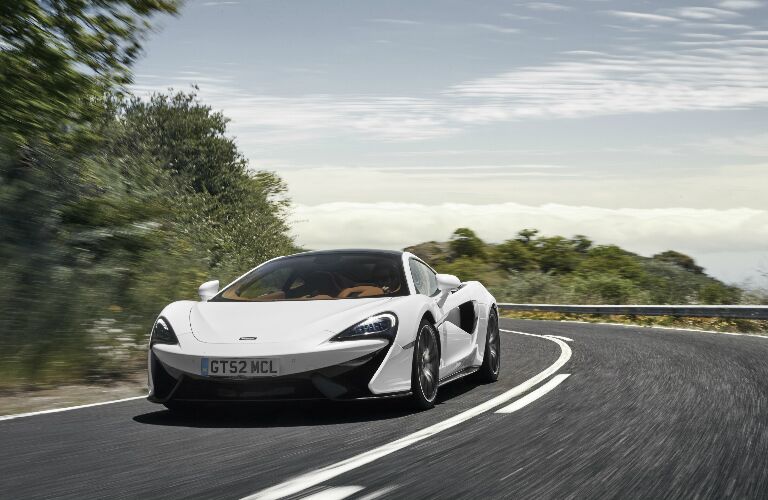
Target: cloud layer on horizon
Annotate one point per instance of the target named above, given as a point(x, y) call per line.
point(732, 232)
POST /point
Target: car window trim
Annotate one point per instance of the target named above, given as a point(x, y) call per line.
point(414, 258)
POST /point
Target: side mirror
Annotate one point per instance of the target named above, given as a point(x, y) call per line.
point(447, 282)
point(208, 289)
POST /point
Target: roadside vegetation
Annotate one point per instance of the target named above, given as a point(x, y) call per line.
point(532, 268)
point(109, 205)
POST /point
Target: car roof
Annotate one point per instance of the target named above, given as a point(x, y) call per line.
point(370, 251)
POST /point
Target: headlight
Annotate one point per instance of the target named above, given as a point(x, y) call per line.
point(162, 333)
point(382, 325)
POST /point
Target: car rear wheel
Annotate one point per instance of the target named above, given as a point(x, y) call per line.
point(425, 376)
point(489, 370)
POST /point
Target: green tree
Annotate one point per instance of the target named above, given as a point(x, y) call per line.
point(69, 241)
point(609, 289)
point(236, 216)
point(717, 293)
point(57, 58)
point(516, 256)
point(679, 259)
point(527, 235)
point(556, 254)
point(465, 243)
point(110, 234)
point(610, 259)
point(581, 243)
point(473, 269)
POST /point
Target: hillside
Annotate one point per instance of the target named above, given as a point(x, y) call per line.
point(530, 268)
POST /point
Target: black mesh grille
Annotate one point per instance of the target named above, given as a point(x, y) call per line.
point(284, 388)
point(345, 381)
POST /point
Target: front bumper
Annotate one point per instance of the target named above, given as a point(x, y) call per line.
point(342, 381)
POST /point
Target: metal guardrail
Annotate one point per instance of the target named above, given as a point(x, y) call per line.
point(738, 312)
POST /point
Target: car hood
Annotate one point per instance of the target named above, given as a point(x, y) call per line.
point(311, 321)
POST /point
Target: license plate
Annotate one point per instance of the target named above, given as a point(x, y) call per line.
point(249, 367)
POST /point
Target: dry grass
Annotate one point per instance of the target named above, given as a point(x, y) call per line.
point(30, 400)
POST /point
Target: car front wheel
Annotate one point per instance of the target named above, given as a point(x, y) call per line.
point(425, 376)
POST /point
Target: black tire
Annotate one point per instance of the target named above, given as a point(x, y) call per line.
point(425, 373)
point(489, 370)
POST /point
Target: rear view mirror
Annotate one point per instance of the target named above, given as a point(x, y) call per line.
point(208, 289)
point(447, 282)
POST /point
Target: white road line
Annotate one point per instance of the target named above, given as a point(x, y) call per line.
point(336, 493)
point(319, 476)
point(560, 337)
point(58, 410)
point(378, 493)
point(534, 395)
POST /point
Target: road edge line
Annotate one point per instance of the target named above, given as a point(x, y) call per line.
point(532, 396)
point(68, 408)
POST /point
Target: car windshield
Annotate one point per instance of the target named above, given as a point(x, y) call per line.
point(321, 276)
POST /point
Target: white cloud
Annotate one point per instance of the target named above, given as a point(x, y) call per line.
point(755, 145)
point(396, 225)
point(406, 22)
point(714, 43)
point(280, 119)
point(546, 6)
point(642, 16)
point(516, 17)
point(734, 77)
point(706, 36)
point(611, 187)
point(704, 72)
point(740, 4)
point(721, 26)
point(704, 13)
point(586, 53)
point(496, 28)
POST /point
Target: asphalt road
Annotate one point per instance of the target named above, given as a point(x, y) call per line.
point(645, 413)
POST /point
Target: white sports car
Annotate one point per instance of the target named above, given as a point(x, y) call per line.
point(341, 324)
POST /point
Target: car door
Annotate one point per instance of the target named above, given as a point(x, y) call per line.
point(456, 342)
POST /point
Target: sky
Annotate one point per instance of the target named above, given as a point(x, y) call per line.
point(638, 123)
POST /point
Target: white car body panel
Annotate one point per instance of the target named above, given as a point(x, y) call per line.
point(298, 333)
point(301, 323)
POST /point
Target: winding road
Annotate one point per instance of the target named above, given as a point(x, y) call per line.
point(580, 411)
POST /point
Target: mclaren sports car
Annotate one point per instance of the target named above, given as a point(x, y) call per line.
point(339, 325)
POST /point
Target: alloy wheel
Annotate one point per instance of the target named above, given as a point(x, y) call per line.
point(429, 363)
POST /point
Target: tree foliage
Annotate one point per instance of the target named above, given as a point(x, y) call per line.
point(115, 231)
point(514, 255)
point(465, 243)
point(110, 206)
point(554, 269)
point(57, 57)
point(679, 259)
point(235, 216)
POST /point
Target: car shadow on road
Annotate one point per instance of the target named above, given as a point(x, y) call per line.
point(294, 413)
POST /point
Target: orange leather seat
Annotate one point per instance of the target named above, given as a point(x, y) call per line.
point(361, 291)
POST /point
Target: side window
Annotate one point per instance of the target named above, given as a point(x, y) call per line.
point(424, 279)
